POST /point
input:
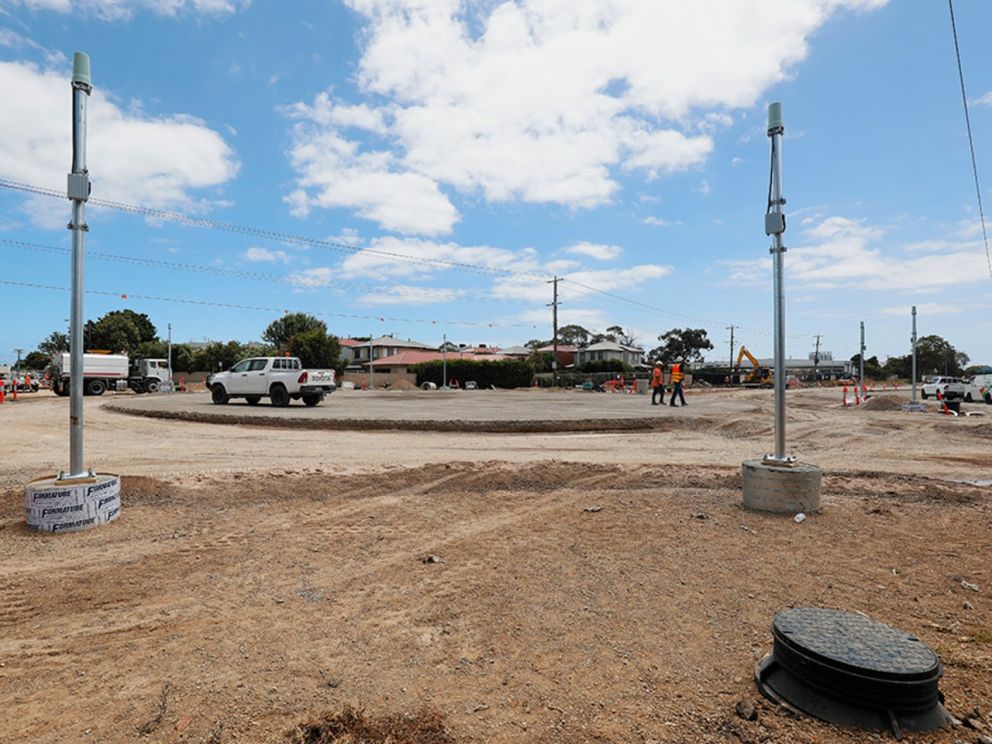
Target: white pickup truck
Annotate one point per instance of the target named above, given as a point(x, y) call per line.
point(280, 379)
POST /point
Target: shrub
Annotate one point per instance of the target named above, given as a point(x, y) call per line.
point(505, 373)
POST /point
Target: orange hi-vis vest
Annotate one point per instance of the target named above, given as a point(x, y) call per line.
point(656, 378)
point(677, 373)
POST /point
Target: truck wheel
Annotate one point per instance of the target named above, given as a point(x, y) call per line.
point(279, 396)
point(312, 399)
point(151, 386)
point(252, 400)
point(925, 396)
point(219, 395)
point(96, 387)
point(967, 398)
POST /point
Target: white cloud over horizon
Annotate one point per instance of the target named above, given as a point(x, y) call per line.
point(839, 252)
point(256, 254)
point(596, 250)
point(537, 101)
point(159, 162)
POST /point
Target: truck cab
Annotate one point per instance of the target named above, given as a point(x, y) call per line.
point(148, 375)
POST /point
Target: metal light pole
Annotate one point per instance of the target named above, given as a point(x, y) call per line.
point(169, 360)
point(913, 340)
point(371, 386)
point(775, 227)
point(861, 360)
point(444, 364)
point(17, 364)
point(78, 192)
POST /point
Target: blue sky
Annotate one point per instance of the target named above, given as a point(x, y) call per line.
point(619, 144)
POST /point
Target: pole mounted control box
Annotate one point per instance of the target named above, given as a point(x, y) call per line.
point(774, 223)
point(79, 186)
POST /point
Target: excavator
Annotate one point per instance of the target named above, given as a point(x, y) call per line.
point(759, 376)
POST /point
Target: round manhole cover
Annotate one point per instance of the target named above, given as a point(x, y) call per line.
point(855, 641)
point(852, 670)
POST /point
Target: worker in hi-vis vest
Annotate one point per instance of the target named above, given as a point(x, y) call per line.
point(677, 376)
point(657, 385)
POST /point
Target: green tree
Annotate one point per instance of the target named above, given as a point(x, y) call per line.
point(280, 332)
point(316, 348)
point(873, 369)
point(119, 330)
point(978, 369)
point(56, 343)
point(541, 361)
point(614, 334)
point(219, 356)
point(183, 358)
point(936, 356)
point(535, 343)
point(680, 343)
point(573, 335)
point(35, 360)
point(898, 366)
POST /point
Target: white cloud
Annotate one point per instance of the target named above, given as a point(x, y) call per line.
point(430, 256)
point(536, 289)
point(158, 162)
point(403, 294)
point(984, 100)
point(842, 253)
point(115, 10)
point(587, 317)
point(334, 173)
point(595, 250)
point(656, 221)
point(257, 255)
point(541, 101)
point(927, 308)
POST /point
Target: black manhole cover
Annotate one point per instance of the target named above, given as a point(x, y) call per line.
point(850, 670)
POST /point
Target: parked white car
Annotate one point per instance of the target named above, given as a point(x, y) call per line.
point(939, 384)
point(280, 379)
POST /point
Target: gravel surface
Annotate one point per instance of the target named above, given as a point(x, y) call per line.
point(573, 587)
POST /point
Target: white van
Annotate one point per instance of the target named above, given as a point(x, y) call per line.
point(979, 388)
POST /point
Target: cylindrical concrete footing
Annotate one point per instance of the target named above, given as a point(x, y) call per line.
point(68, 506)
point(775, 488)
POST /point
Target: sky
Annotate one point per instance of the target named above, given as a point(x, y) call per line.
point(425, 167)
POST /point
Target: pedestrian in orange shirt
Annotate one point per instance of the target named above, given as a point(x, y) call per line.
point(657, 385)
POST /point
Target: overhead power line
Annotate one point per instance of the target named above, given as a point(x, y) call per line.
point(258, 232)
point(297, 280)
point(971, 141)
point(236, 306)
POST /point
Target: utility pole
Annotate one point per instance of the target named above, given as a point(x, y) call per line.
point(913, 340)
point(444, 365)
point(17, 365)
point(170, 358)
point(730, 360)
point(371, 386)
point(816, 360)
point(861, 361)
point(775, 227)
point(79, 193)
point(554, 325)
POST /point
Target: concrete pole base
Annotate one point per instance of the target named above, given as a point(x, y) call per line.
point(69, 506)
point(774, 488)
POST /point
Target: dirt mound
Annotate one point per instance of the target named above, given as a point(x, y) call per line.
point(402, 385)
point(885, 403)
point(982, 430)
point(352, 726)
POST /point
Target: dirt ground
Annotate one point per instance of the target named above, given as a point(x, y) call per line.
point(572, 587)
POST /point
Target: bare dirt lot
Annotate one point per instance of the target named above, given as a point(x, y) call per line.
point(572, 587)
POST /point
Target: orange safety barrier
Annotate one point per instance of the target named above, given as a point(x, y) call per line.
point(846, 404)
